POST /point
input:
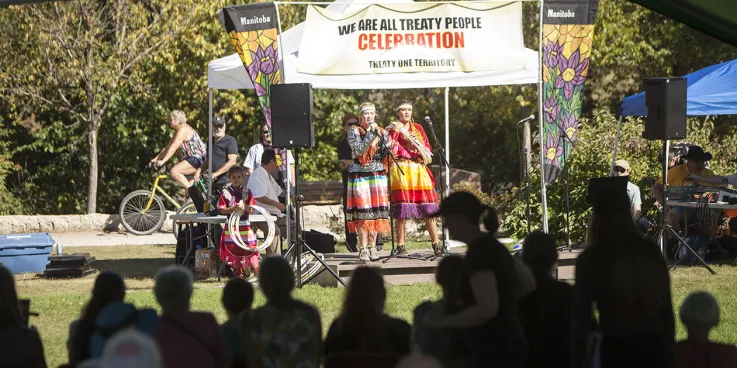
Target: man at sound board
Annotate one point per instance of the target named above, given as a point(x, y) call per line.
point(695, 159)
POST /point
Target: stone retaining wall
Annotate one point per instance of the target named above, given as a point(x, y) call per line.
point(313, 215)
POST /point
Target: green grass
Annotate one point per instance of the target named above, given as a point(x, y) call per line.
point(59, 301)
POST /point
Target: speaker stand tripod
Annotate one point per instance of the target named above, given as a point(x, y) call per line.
point(668, 230)
point(300, 246)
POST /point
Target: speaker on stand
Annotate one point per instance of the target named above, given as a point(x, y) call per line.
point(666, 101)
point(292, 127)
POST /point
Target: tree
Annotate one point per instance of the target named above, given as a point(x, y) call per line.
point(75, 56)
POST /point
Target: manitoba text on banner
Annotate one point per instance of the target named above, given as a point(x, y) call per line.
point(414, 37)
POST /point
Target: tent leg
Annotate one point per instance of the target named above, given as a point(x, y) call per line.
point(543, 195)
point(209, 146)
point(446, 237)
point(616, 145)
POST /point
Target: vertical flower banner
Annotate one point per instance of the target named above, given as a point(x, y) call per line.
point(252, 30)
point(568, 29)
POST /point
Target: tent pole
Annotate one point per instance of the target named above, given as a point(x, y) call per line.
point(616, 145)
point(209, 146)
point(447, 143)
point(543, 196)
point(298, 250)
point(446, 237)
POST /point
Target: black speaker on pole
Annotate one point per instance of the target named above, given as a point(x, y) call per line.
point(291, 116)
point(665, 99)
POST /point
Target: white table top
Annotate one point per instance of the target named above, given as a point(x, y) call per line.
point(716, 205)
point(220, 219)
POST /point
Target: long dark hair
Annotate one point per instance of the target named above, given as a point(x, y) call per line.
point(363, 309)
point(109, 287)
point(9, 310)
point(630, 265)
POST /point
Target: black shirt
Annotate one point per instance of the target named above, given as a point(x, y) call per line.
point(220, 151)
point(546, 317)
point(500, 340)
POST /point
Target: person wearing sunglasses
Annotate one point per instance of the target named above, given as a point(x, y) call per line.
point(253, 159)
point(622, 168)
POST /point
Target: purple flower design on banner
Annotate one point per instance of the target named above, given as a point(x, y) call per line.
point(552, 109)
point(569, 124)
point(553, 150)
point(551, 52)
point(260, 90)
point(267, 59)
point(571, 73)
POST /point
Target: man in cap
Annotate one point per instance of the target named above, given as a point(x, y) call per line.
point(622, 168)
point(695, 164)
point(224, 153)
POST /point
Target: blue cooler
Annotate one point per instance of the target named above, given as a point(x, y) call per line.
point(25, 252)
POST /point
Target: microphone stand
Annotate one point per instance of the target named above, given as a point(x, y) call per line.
point(565, 178)
point(444, 169)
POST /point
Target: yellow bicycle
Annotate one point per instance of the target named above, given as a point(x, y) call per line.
point(142, 212)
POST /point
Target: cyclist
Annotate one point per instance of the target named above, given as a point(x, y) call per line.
point(192, 151)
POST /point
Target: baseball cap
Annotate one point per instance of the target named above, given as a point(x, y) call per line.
point(218, 121)
point(623, 164)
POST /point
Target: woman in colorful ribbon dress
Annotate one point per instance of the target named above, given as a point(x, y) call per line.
point(367, 202)
point(412, 187)
point(233, 198)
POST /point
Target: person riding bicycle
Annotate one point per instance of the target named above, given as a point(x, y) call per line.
point(192, 151)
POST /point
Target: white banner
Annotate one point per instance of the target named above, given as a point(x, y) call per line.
point(413, 37)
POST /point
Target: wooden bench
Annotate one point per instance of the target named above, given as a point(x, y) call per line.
point(322, 192)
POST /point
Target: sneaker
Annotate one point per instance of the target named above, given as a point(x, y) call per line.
point(437, 249)
point(373, 253)
point(363, 255)
point(402, 250)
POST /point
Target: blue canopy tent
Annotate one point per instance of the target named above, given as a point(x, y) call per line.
point(710, 91)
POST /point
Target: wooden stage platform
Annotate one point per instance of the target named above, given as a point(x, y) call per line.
point(401, 271)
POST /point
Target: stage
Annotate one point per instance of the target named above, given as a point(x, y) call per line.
point(402, 271)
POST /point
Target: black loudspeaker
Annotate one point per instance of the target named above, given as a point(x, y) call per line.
point(665, 99)
point(291, 116)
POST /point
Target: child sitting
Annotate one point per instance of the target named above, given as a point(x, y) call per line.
point(233, 198)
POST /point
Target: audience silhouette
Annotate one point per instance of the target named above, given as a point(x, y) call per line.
point(185, 338)
point(362, 325)
point(109, 287)
point(237, 299)
point(284, 332)
point(487, 310)
point(699, 314)
point(20, 346)
point(546, 312)
point(444, 345)
point(626, 277)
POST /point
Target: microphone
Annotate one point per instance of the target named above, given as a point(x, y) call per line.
point(428, 121)
point(526, 119)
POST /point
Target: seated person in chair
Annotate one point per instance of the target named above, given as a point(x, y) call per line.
point(678, 176)
point(622, 168)
point(264, 188)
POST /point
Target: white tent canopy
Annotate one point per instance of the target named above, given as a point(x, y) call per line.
point(229, 73)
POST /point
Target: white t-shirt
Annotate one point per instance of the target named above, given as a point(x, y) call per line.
point(253, 158)
point(261, 184)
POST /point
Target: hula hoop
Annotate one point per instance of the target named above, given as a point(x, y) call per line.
point(235, 234)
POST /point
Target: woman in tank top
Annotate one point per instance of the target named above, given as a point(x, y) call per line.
point(192, 151)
